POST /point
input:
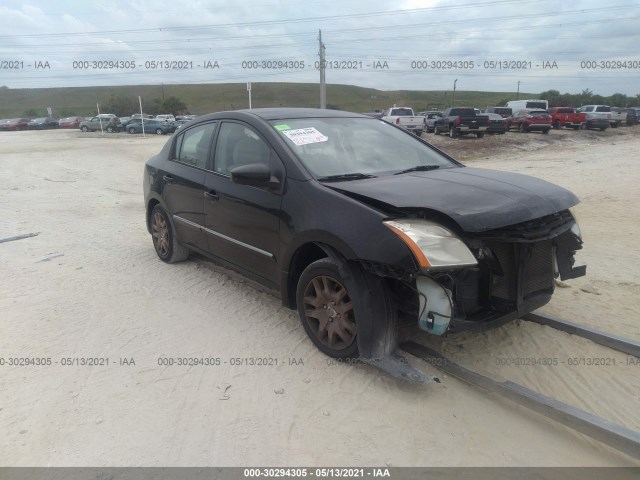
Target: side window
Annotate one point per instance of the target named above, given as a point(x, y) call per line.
point(239, 145)
point(192, 147)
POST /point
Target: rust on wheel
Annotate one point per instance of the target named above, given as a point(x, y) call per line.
point(160, 234)
point(329, 312)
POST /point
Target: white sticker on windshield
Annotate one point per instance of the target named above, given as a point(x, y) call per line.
point(303, 136)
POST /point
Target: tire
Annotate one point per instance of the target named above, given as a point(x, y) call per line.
point(84, 128)
point(436, 130)
point(165, 242)
point(418, 133)
point(132, 130)
point(344, 298)
point(546, 130)
point(521, 128)
point(602, 129)
point(576, 127)
point(159, 131)
point(110, 129)
point(453, 132)
point(556, 125)
point(480, 134)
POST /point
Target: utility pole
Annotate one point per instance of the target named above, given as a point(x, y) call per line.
point(323, 86)
point(453, 99)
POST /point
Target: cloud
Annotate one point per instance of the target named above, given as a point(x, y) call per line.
point(486, 45)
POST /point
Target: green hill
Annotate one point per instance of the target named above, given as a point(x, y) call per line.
point(205, 98)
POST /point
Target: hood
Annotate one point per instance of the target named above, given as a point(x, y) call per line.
point(476, 199)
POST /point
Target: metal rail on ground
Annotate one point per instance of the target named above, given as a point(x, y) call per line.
point(609, 433)
point(615, 342)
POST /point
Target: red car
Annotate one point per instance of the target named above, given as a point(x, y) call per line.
point(71, 122)
point(531, 119)
point(14, 124)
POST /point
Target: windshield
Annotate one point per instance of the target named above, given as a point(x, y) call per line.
point(338, 146)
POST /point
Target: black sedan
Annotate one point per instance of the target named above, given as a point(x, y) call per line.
point(42, 123)
point(497, 123)
point(354, 220)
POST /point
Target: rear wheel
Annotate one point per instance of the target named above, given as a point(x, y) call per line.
point(522, 128)
point(453, 132)
point(556, 124)
point(436, 130)
point(480, 134)
point(132, 130)
point(159, 131)
point(546, 130)
point(164, 240)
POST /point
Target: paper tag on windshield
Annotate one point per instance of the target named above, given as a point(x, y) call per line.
point(304, 136)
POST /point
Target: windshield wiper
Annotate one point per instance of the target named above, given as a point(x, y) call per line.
point(419, 168)
point(344, 176)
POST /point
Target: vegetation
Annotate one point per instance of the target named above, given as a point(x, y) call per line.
point(205, 98)
point(587, 97)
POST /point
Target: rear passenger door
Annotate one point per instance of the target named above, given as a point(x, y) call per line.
point(183, 181)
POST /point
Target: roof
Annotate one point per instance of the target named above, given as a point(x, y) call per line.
point(282, 113)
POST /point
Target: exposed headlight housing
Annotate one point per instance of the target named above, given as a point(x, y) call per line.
point(433, 246)
point(575, 228)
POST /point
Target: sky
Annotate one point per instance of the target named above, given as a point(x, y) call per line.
point(486, 45)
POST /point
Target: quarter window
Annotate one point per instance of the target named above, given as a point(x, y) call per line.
point(192, 147)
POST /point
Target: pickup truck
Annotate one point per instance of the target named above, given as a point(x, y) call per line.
point(405, 118)
point(429, 118)
point(597, 113)
point(461, 121)
point(567, 117)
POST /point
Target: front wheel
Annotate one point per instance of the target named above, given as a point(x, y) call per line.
point(132, 130)
point(159, 131)
point(480, 134)
point(436, 130)
point(164, 240)
point(346, 311)
point(546, 130)
point(453, 132)
point(84, 128)
point(110, 129)
point(521, 128)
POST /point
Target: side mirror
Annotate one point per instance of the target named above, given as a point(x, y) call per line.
point(254, 174)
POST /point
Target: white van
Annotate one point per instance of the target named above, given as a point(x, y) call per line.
point(166, 118)
point(516, 105)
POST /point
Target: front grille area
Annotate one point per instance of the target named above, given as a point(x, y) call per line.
point(533, 230)
point(526, 269)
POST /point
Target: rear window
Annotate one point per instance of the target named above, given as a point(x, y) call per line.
point(500, 110)
point(542, 105)
point(402, 112)
point(463, 111)
point(603, 108)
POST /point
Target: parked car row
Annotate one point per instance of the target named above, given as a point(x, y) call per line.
point(530, 119)
point(161, 124)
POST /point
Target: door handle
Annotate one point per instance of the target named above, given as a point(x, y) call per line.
point(211, 195)
point(167, 178)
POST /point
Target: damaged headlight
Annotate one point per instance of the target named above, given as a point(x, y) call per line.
point(433, 246)
point(575, 229)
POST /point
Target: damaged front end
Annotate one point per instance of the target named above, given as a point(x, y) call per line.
point(479, 280)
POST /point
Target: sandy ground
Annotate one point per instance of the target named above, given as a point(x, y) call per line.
point(90, 285)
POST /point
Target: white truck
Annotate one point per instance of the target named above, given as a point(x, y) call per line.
point(405, 118)
point(601, 116)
